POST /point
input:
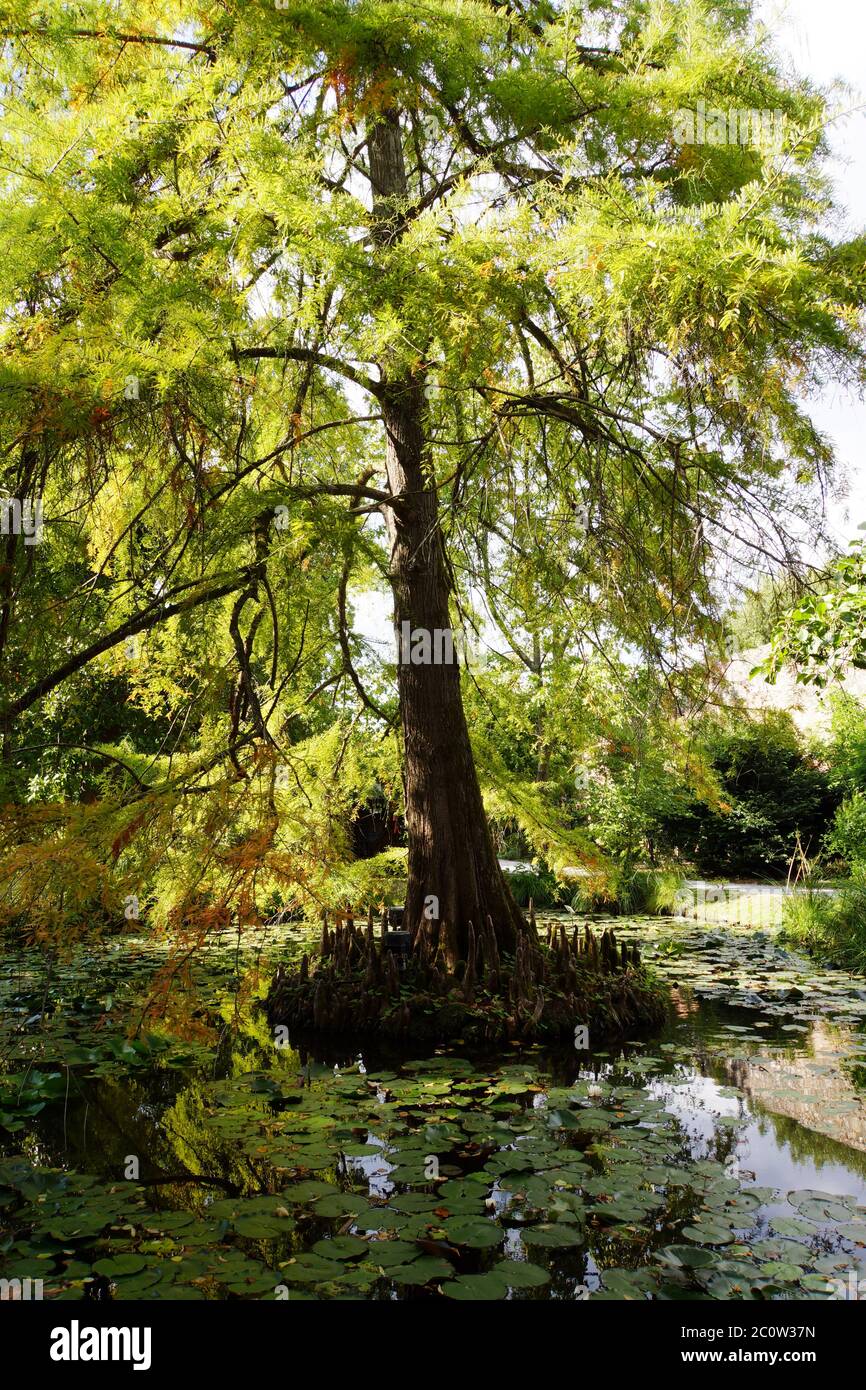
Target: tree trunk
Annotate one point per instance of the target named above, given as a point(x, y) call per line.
point(454, 875)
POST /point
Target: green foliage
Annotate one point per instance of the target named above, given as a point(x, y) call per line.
point(754, 620)
point(847, 748)
point(723, 794)
point(655, 891)
point(633, 798)
point(825, 633)
point(379, 881)
point(86, 735)
point(808, 917)
point(846, 838)
point(518, 804)
point(847, 835)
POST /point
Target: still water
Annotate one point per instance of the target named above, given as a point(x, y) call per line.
point(157, 1144)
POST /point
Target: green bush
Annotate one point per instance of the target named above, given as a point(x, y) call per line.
point(846, 838)
point(847, 835)
point(770, 791)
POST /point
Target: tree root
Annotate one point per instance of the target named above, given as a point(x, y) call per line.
point(355, 984)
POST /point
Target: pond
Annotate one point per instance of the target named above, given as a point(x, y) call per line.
point(161, 1143)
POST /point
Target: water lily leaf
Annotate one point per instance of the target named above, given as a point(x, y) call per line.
point(782, 1271)
point(261, 1227)
point(339, 1204)
point(310, 1269)
point(808, 1194)
point(627, 1284)
point(823, 1211)
point(478, 1235)
point(818, 1283)
point(708, 1235)
point(341, 1248)
point(553, 1237)
point(421, 1271)
point(381, 1219)
point(727, 1286)
point(690, 1256)
point(115, 1266)
point(786, 1226)
point(475, 1288)
point(308, 1190)
point(390, 1252)
point(520, 1274)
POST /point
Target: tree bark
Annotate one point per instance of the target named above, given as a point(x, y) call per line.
point(454, 875)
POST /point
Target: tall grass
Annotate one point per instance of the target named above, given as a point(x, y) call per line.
point(539, 884)
point(832, 927)
point(628, 892)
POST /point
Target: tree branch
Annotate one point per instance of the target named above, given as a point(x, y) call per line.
point(188, 44)
point(319, 359)
point(347, 654)
point(141, 622)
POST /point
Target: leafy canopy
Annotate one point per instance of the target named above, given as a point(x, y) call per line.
point(614, 331)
